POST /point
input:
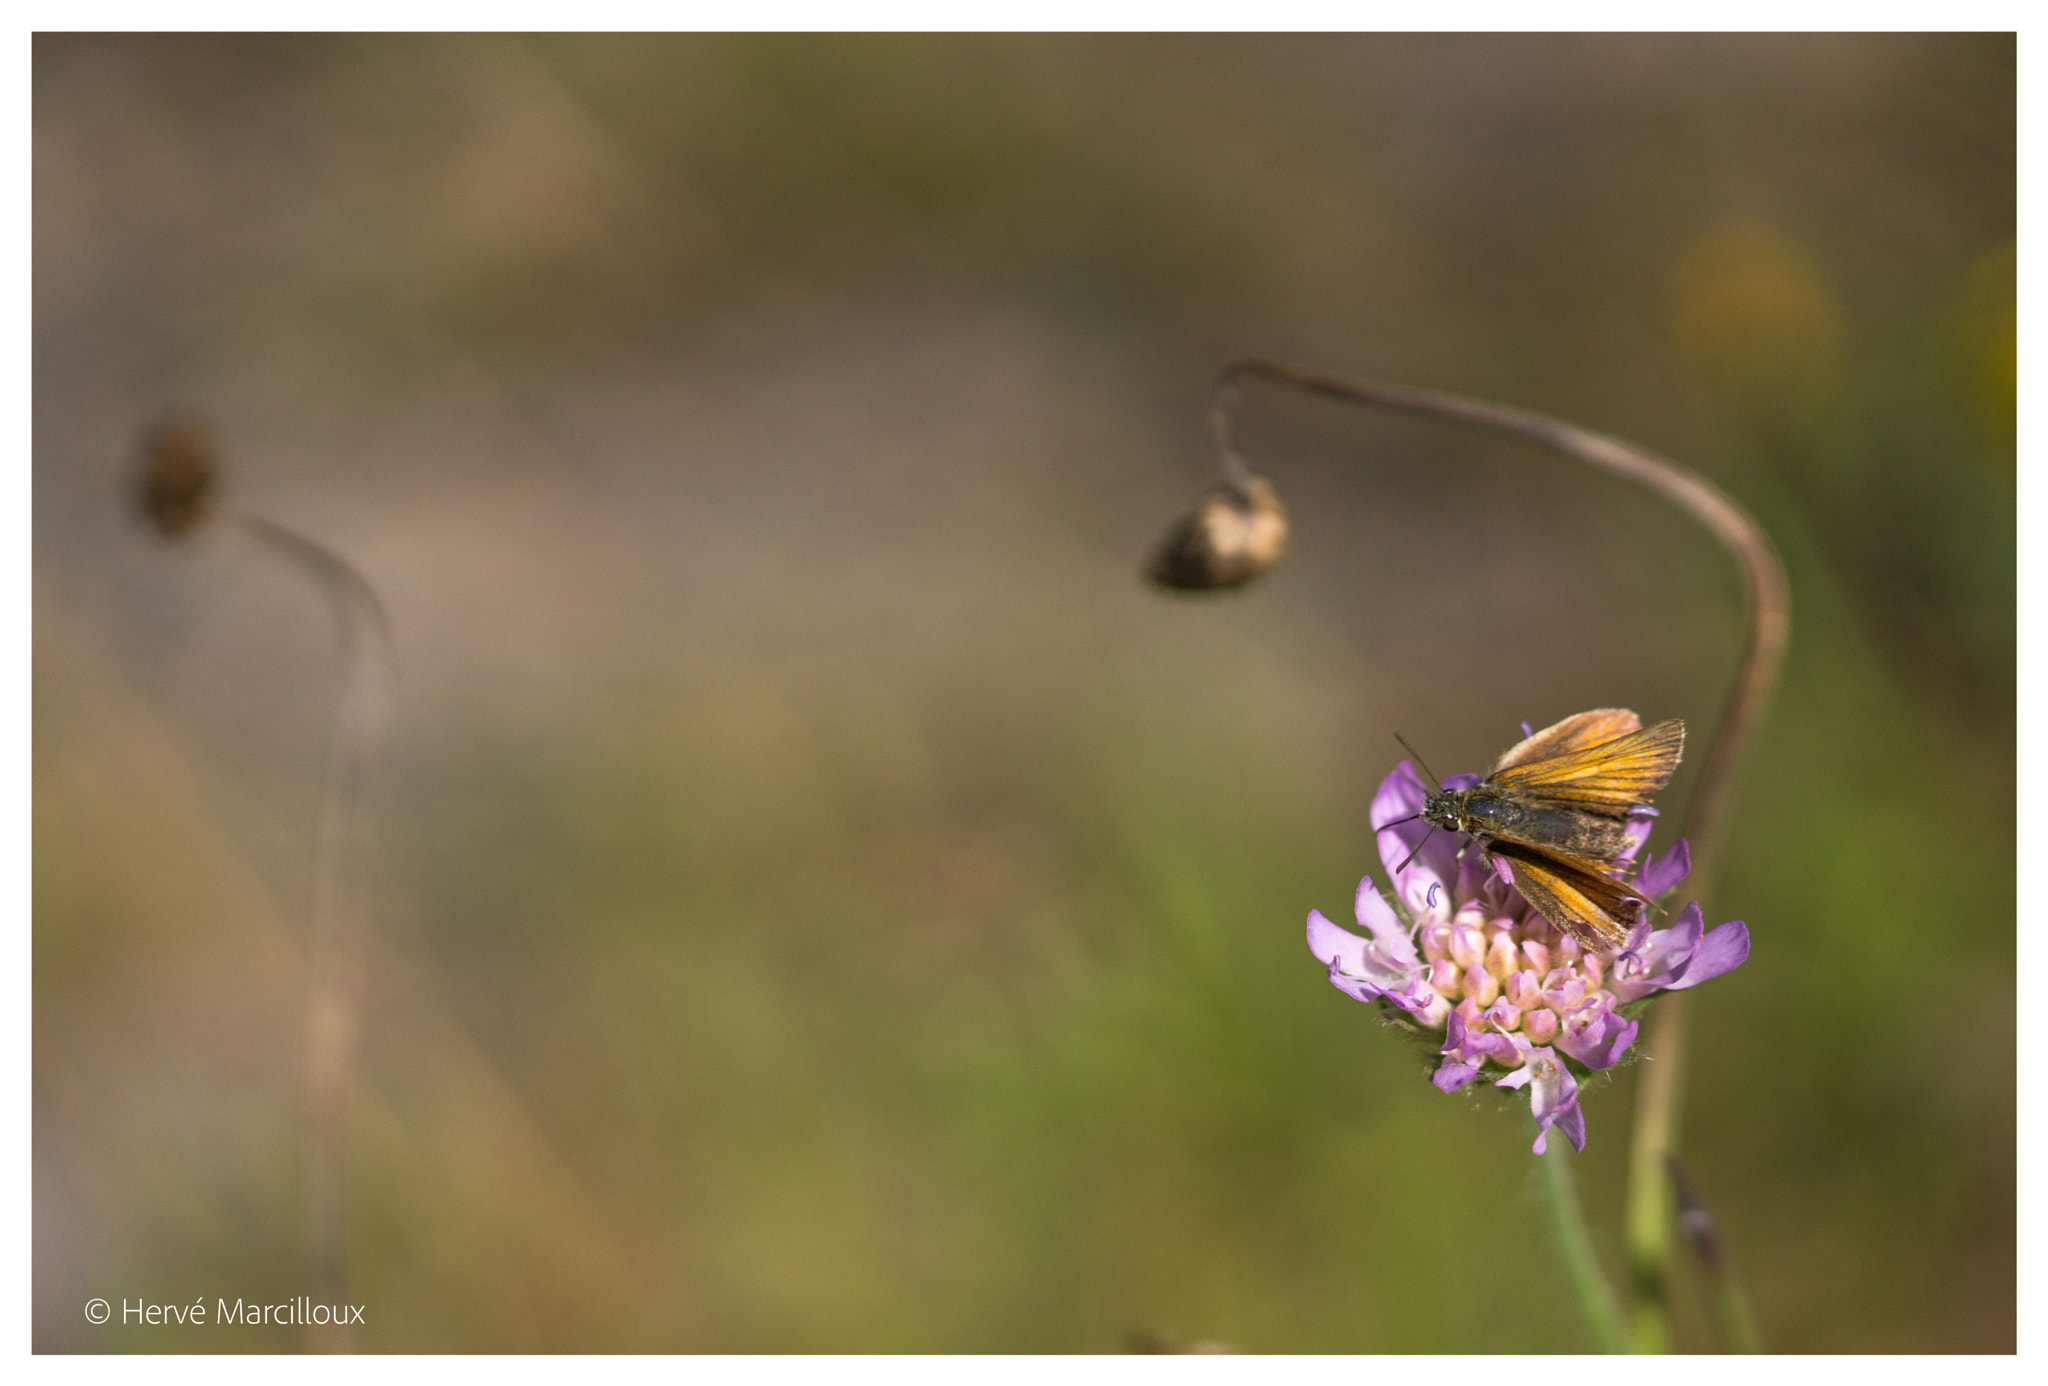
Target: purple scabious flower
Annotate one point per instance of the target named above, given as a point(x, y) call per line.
point(1459, 954)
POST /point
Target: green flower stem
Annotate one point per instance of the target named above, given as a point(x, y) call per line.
point(1658, 1100)
point(1738, 1324)
point(1575, 1248)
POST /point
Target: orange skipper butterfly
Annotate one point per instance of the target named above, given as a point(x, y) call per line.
point(1554, 809)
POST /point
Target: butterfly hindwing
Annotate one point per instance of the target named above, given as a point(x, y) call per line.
point(1611, 777)
point(1592, 907)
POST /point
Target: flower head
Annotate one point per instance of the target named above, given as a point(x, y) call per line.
point(1234, 534)
point(177, 476)
point(1460, 954)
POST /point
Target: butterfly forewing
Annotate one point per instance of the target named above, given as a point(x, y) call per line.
point(1592, 907)
point(1575, 733)
point(1611, 777)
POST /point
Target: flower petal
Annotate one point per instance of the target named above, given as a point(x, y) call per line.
point(1387, 960)
point(1571, 1121)
point(1676, 958)
point(1337, 948)
point(1600, 1042)
point(1477, 881)
point(1468, 1040)
point(1667, 951)
point(1400, 796)
point(1563, 990)
point(1452, 1075)
point(1723, 950)
point(1357, 988)
point(1416, 997)
point(1377, 918)
point(1424, 1006)
point(1553, 1094)
point(1638, 828)
point(1660, 874)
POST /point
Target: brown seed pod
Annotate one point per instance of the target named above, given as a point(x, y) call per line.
point(1231, 537)
point(177, 475)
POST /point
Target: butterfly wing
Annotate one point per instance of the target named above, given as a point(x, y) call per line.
point(1594, 908)
point(1610, 778)
point(1574, 733)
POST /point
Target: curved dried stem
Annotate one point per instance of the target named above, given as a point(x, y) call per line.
point(1763, 576)
point(1767, 625)
point(341, 903)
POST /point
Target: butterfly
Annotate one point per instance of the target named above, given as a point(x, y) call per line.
point(1554, 810)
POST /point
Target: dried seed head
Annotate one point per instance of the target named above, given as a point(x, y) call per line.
point(179, 467)
point(1231, 537)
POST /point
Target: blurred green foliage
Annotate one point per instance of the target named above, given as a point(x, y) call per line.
point(827, 904)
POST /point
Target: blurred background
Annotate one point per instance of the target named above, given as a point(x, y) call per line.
point(825, 900)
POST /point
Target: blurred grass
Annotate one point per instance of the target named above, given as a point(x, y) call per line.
point(828, 906)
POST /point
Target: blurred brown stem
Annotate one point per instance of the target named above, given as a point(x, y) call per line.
point(1660, 1094)
point(1696, 1220)
point(341, 906)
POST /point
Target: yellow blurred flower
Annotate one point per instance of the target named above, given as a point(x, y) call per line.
point(1751, 314)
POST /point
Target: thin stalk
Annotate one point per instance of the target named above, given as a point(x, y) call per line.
point(1765, 628)
point(1658, 1092)
point(1575, 1249)
point(1738, 1321)
point(341, 906)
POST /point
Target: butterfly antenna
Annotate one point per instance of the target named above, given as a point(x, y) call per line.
point(1418, 760)
point(1418, 849)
